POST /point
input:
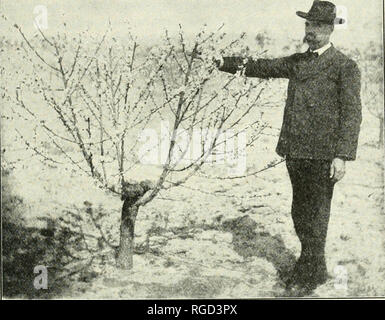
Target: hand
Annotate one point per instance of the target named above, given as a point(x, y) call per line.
point(195, 54)
point(218, 61)
point(337, 169)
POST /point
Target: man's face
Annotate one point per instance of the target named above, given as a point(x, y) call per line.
point(317, 34)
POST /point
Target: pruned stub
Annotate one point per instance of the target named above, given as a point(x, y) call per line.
point(133, 191)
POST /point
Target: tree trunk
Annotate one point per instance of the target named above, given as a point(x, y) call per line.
point(131, 194)
point(127, 231)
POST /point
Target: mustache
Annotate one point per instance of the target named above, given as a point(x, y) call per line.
point(309, 37)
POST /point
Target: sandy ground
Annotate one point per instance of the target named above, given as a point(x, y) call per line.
point(220, 238)
point(207, 239)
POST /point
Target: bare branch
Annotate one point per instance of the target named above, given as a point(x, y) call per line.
point(34, 49)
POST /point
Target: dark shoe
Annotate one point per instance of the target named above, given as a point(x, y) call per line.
point(298, 275)
point(306, 281)
point(292, 277)
point(299, 290)
point(320, 279)
point(306, 288)
point(290, 283)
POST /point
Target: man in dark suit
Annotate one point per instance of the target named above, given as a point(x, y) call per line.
point(320, 129)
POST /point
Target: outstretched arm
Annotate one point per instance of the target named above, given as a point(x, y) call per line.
point(260, 68)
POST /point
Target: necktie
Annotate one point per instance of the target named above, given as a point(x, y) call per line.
point(312, 55)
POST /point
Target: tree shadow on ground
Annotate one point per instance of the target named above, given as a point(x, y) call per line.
point(190, 287)
point(250, 239)
point(24, 248)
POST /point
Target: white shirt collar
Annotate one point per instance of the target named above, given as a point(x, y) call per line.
point(323, 49)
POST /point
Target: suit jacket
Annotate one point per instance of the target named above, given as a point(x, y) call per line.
point(322, 116)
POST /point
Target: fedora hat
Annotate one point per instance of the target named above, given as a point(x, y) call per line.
point(322, 11)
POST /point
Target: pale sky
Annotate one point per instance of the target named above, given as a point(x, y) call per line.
point(149, 18)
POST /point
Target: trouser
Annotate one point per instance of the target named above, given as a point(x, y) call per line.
point(312, 195)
